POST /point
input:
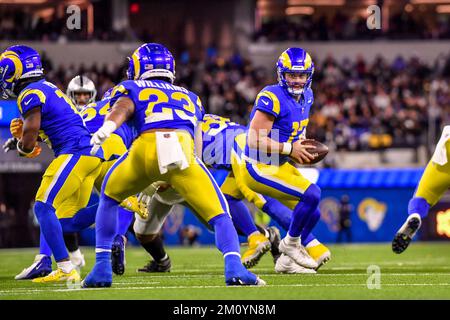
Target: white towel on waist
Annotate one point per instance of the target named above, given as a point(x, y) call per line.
point(440, 154)
point(170, 152)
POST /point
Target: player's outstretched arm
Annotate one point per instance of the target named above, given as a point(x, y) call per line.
point(121, 111)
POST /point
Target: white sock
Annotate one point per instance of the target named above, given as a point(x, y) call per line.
point(313, 243)
point(292, 240)
point(65, 266)
point(76, 254)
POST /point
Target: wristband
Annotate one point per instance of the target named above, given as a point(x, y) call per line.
point(21, 151)
point(287, 148)
point(109, 127)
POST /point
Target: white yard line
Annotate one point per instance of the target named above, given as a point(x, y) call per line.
point(35, 291)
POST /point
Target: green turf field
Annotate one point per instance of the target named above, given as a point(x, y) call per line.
point(422, 272)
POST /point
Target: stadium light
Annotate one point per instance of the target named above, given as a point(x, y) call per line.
point(22, 1)
point(429, 1)
point(443, 9)
point(299, 10)
point(316, 2)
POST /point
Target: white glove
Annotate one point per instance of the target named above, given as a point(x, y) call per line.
point(101, 135)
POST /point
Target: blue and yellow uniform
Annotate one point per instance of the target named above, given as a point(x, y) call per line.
point(116, 145)
point(435, 180)
point(221, 151)
point(159, 106)
point(68, 181)
point(272, 174)
point(94, 115)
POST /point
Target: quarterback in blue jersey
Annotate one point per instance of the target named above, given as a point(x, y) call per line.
point(276, 130)
point(48, 113)
point(219, 150)
point(165, 117)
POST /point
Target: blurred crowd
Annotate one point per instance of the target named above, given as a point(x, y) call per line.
point(358, 105)
point(18, 25)
point(351, 27)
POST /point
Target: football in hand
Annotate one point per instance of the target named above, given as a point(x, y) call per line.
point(319, 152)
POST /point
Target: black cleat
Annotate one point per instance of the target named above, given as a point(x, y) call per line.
point(118, 255)
point(153, 266)
point(274, 238)
point(406, 233)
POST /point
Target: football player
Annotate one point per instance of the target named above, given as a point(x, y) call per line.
point(68, 181)
point(218, 143)
point(81, 90)
point(116, 145)
point(277, 123)
point(435, 181)
point(165, 117)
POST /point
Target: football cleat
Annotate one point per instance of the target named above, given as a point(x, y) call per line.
point(118, 255)
point(100, 276)
point(287, 265)
point(59, 276)
point(298, 253)
point(320, 253)
point(237, 275)
point(258, 245)
point(41, 267)
point(154, 266)
point(406, 233)
point(274, 238)
point(243, 278)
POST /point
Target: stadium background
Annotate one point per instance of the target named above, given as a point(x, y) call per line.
point(381, 96)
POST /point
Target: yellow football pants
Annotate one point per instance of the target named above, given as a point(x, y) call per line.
point(68, 182)
point(138, 168)
point(435, 180)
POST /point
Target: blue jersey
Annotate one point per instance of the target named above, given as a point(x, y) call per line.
point(160, 105)
point(94, 116)
point(62, 127)
point(218, 140)
point(291, 118)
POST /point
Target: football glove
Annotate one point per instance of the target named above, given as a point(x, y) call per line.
point(101, 135)
point(10, 144)
point(16, 127)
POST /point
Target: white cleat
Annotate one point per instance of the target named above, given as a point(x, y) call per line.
point(406, 233)
point(287, 265)
point(260, 282)
point(77, 260)
point(298, 253)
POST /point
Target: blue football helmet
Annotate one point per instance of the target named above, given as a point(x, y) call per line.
point(17, 63)
point(294, 60)
point(151, 60)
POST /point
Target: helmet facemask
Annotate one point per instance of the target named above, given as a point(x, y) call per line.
point(288, 85)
